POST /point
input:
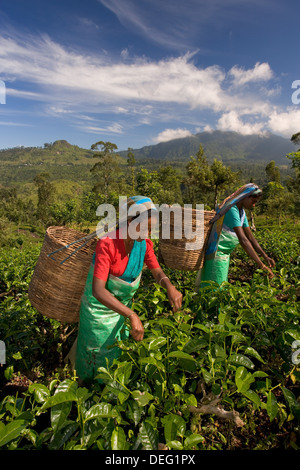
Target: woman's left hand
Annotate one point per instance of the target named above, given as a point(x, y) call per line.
point(270, 262)
point(175, 298)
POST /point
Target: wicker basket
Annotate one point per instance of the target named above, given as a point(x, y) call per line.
point(174, 254)
point(55, 289)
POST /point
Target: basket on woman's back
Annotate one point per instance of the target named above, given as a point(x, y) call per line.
point(184, 253)
point(56, 289)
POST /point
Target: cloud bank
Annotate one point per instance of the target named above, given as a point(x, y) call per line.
point(85, 88)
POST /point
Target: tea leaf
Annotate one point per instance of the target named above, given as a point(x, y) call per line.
point(148, 436)
point(241, 360)
point(174, 425)
point(118, 439)
point(181, 355)
point(12, 431)
point(254, 353)
point(253, 397)
point(60, 397)
point(272, 406)
point(156, 343)
point(59, 414)
point(243, 379)
point(100, 410)
point(40, 392)
point(142, 398)
point(193, 440)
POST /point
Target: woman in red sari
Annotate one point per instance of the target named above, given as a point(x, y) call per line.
point(113, 279)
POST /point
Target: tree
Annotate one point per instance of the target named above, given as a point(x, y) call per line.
point(276, 200)
point(89, 203)
point(294, 182)
point(63, 213)
point(45, 196)
point(170, 181)
point(13, 207)
point(199, 177)
point(296, 138)
point(162, 186)
point(131, 163)
point(295, 156)
point(207, 180)
point(107, 170)
point(273, 172)
point(222, 177)
point(148, 184)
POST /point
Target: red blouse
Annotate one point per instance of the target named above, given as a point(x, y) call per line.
point(111, 257)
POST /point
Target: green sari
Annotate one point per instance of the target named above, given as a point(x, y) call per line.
point(216, 269)
point(223, 239)
point(99, 326)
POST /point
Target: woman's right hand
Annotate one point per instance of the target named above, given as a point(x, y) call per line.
point(137, 329)
point(269, 271)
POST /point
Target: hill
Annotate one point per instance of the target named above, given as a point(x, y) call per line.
point(60, 159)
point(230, 147)
point(64, 161)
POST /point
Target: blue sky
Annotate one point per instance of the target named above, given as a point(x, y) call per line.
point(139, 72)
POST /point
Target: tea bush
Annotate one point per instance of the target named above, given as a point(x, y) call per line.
point(219, 374)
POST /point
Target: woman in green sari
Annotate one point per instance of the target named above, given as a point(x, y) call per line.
point(230, 228)
point(113, 279)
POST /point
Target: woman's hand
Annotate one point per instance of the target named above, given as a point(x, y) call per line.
point(269, 271)
point(270, 262)
point(175, 298)
point(137, 329)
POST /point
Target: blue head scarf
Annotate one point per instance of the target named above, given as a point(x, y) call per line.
point(134, 205)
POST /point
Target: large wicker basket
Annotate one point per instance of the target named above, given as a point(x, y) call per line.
point(173, 252)
point(55, 289)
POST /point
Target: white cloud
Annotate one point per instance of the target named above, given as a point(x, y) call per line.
point(231, 122)
point(72, 85)
point(24, 94)
point(16, 124)
point(114, 128)
point(208, 128)
point(286, 122)
point(89, 80)
point(124, 53)
point(87, 23)
point(121, 110)
point(170, 134)
point(260, 72)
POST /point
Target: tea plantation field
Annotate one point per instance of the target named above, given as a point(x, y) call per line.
point(223, 373)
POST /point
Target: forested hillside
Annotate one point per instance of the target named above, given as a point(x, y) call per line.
point(230, 147)
point(62, 183)
point(62, 160)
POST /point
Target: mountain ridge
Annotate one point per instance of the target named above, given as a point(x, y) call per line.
point(230, 147)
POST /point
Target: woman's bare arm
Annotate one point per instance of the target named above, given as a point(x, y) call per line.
point(248, 247)
point(257, 247)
